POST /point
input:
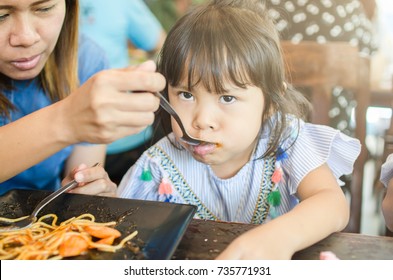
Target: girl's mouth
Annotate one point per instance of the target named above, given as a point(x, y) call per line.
point(205, 148)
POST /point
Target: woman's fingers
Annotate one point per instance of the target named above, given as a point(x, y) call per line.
point(125, 80)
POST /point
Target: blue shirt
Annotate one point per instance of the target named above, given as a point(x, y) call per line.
point(28, 97)
point(113, 24)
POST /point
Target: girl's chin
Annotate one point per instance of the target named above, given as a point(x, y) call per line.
point(206, 159)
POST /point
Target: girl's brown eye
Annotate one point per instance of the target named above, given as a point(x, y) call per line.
point(227, 99)
point(186, 95)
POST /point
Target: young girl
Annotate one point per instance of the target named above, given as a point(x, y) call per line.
point(259, 163)
point(44, 112)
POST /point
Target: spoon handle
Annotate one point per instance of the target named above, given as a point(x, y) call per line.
point(168, 107)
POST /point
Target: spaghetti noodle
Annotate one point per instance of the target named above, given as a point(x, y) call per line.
point(72, 237)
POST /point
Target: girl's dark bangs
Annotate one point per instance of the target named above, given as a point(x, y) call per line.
point(210, 57)
point(214, 69)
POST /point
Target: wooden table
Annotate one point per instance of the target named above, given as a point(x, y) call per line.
point(204, 240)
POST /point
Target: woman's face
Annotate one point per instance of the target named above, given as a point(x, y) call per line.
point(29, 30)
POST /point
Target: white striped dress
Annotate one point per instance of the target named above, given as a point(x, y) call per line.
point(242, 198)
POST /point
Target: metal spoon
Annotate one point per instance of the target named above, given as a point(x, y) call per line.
point(29, 220)
point(185, 138)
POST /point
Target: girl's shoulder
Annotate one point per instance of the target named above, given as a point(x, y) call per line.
point(311, 145)
point(301, 136)
point(299, 133)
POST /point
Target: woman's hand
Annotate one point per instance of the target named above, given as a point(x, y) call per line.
point(91, 180)
point(103, 109)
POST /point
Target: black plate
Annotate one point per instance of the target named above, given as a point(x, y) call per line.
point(160, 225)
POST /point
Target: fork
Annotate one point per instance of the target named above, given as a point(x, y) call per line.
point(168, 107)
point(29, 220)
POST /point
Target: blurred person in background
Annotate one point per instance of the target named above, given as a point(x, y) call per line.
point(114, 27)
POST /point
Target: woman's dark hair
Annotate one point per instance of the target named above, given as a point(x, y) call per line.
point(233, 41)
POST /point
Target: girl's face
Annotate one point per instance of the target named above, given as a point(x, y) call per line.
point(232, 121)
point(29, 30)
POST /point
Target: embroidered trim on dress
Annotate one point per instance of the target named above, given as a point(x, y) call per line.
point(180, 184)
point(183, 189)
point(262, 206)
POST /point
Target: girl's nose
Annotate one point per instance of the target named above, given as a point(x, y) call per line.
point(205, 117)
point(24, 32)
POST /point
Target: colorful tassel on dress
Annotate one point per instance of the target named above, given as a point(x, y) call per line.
point(281, 154)
point(165, 187)
point(277, 175)
point(274, 197)
point(146, 175)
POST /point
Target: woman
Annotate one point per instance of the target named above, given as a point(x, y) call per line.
point(44, 116)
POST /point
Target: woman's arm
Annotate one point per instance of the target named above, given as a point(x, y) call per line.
point(30, 140)
point(100, 111)
point(323, 210)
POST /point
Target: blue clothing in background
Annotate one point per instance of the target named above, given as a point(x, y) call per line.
point(28, 97)
point(113, 25)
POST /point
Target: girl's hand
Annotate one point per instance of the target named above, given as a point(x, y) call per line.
point(256, 244)
point(92, 181)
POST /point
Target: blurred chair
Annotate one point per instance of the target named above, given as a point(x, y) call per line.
point(321, 67)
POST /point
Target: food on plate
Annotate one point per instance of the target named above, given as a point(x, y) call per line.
point(70, 238)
